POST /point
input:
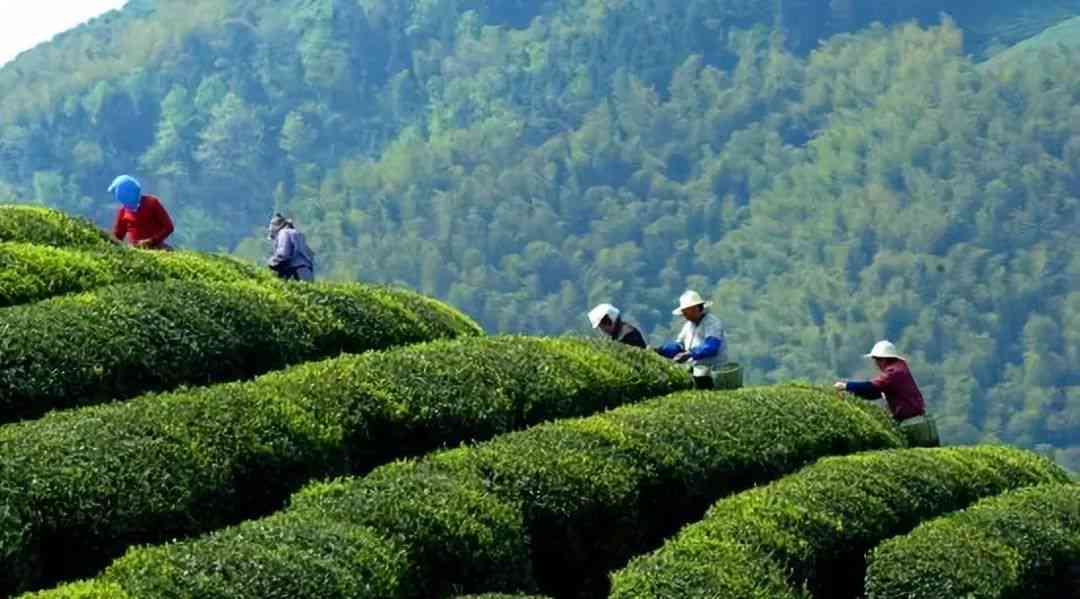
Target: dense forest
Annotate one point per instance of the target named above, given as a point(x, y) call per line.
point(829, 172)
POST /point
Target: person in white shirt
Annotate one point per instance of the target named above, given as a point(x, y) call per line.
point(701, 344)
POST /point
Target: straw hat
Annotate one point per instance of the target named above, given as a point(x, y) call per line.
point(597, 314)
point(689, 300)
point(884, 349)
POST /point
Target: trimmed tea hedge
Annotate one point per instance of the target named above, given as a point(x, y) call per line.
point(87, 483)
point(35, 224)
point(557, 503)
point(117, 342)
point(31, 273)
point(1020, 544)
point(90, 589)
point(814, 528)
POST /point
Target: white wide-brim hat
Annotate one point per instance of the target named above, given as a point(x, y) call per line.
point(884, 349)
point(689, 300)
point(597, 314)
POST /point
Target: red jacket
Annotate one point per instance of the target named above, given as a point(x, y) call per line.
point(150, 221)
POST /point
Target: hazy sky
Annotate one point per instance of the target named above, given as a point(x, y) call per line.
point(26, 23)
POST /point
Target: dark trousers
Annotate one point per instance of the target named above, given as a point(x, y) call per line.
point(703, 382)
point(301, 273)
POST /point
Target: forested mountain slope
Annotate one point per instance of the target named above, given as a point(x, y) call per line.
point(991, 27)
point(230, 107)
point(1065, 33)
point(828, 181)
point(883, 187)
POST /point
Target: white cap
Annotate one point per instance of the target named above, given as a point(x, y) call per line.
point(597, 314)
point(884, 349)
point(689, 300)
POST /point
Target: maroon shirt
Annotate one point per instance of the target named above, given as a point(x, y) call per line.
point(901, 392)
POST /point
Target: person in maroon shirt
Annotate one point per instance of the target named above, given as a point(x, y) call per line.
point(901, 392)
point(142, 220)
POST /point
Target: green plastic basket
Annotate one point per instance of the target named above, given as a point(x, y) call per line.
point(728, 376)
point(921, 431)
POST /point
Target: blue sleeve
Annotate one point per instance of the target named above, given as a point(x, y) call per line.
point(864, 389)
point(668, 350)
point(712, 347)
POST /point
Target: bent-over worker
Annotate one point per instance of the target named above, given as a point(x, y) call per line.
point(141, 220)
point(901, 392)
point(608, 319)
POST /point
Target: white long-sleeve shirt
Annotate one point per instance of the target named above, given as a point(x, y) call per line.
point(692, 337)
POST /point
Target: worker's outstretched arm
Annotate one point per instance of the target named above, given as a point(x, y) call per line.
point(712, 347)
point(864, 389)
point(670, 349)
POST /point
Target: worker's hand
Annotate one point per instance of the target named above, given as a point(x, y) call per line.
point(142, 243)
point(840, 385)
point(681, 357)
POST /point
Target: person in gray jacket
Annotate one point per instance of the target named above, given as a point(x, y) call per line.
point(292, 258)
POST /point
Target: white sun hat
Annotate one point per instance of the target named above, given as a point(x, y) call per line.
point(597, 314)
point(884, 349)
point(688, 300)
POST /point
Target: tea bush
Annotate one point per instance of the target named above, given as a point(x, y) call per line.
point(30, 273)
point(45, 226)
point(117, 342)
point(806, 534)
point(87, 483)
point(1020, 544)
point(527, 510)
point(90, 589)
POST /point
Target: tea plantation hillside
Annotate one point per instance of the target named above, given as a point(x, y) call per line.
point(182, 425)
point(86, 321)
point(162, 466)
point(555, 508)
point(151, 321)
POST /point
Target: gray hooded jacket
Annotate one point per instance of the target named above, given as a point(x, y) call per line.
point(291, 251)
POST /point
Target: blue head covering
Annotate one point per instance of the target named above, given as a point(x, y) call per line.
point(127, 191)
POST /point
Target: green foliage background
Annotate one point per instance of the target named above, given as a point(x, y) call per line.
point(827, 181)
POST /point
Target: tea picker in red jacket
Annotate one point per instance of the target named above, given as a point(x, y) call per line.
point(141, 221)
point(897, 385)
